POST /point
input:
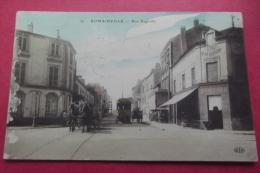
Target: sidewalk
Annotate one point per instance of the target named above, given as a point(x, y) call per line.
point(174, 127)
point(30, 127)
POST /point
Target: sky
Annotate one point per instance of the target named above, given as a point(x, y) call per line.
point(116, 55)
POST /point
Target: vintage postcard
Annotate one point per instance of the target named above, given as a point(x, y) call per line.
point(129, 86)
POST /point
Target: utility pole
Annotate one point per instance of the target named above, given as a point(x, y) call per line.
point(169, 84)
point(122, 88)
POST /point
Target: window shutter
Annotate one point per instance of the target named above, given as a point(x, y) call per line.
point(57, 50)
point(20, 43)
point(52, 48)
point(24, 44)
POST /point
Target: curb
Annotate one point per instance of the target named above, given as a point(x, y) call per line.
point(37, 127)
point(202, 131)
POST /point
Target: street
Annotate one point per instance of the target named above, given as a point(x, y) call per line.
point(135, 141)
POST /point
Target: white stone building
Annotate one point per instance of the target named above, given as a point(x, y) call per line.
point(45, 72)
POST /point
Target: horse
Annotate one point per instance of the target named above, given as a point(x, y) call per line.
point(87, 116)
point(74, 112)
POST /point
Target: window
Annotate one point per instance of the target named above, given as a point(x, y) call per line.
point(53, 76)
point(20, 72)
point(193, 81)
point(55, 49)
point(71, 57)
point(23, 43)
point(212, 72)
point(183, 81)
point(214, 101)
point(51, 105)
point(210, 38)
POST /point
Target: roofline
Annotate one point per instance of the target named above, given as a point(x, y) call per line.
point(179, 34)
point(32, 33)
point(197, 43)
point(226, 35)
point(85, 86)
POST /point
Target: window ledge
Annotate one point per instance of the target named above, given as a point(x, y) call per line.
point(25, 54)
point(54, 59)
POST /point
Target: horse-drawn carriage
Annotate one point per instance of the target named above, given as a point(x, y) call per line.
point(137, 114)
point(82, 115)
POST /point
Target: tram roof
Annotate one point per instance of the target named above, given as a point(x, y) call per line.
point(124, 100)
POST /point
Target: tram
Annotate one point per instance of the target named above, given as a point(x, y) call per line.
point(123, 110)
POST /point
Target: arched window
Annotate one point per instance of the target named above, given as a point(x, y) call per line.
point(21, 95)
point(51, 105)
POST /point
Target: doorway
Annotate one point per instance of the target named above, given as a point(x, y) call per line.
point(215, 111)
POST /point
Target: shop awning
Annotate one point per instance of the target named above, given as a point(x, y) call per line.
point(178, 97)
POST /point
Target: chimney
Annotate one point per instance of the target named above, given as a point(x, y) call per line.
point(196, 22)
point(30, 27)
point(183, 39)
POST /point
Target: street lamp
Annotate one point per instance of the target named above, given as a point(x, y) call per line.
point(36, 97)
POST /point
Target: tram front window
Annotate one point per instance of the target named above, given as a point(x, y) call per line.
point(123, 106)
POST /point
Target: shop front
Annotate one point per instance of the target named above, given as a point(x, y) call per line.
point(205, 106)
point(214, 106)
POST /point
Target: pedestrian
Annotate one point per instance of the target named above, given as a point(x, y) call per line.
point(64, 117)
point(184, 119)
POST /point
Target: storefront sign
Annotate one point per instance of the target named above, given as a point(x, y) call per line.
point(211, 51)
point(214, 90)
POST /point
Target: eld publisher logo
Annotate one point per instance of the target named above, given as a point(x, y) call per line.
point(239, 150)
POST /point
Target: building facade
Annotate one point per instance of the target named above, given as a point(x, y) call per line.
point(209, 79)
point(136, 95)
point(102, 101)
point(149, 86)
point(82, 92)
point(45, 72)
point(144, 98)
